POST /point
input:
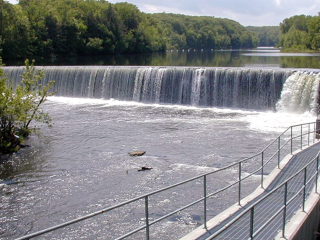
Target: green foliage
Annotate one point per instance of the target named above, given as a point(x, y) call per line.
point(300, 33)
point(94, 45)
point(19, 105)
point(268, 35)
point(205, 32)
point(314, 33)
point(14, 31)
point(78, 27)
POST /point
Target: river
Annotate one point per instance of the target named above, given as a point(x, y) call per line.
point(260, 57)
point(81, 164)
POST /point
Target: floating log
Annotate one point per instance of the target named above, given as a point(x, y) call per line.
point(137, 153)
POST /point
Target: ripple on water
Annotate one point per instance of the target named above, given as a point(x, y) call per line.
point(81, 164)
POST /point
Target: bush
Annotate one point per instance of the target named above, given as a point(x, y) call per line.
point(19, 106)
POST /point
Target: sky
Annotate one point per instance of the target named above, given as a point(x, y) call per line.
point(246, 12)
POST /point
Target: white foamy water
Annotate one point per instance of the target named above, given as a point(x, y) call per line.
point(269, 121)
point(300, 93)
point(276, 121)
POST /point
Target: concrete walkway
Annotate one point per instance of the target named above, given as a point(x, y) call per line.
point(240, 230)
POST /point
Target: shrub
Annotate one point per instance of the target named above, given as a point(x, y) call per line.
point(20, 105)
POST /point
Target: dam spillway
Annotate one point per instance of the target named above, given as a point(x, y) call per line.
point(241, 88)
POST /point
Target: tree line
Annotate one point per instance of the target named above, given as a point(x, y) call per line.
point(267, 35)
point(204, 32)
point(89, 27)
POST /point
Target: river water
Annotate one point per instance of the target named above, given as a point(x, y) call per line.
point(81, 164)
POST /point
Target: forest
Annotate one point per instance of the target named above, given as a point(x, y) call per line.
point(300, 33)
point(267, 35)
point(42, 28)
point(91, 27)
point(183, 31)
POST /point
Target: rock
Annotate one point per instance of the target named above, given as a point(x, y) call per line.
point(24, 145)
point(144, 168)
point(137, 153)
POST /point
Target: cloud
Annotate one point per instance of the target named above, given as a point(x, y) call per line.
point(247, 12)
point(278, 2)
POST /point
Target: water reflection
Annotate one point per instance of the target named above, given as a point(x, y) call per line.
point(261, 57)
point(300, 62)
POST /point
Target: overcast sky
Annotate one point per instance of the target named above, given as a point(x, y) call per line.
point(246, 12)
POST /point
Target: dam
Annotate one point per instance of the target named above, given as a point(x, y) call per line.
point(238, 88)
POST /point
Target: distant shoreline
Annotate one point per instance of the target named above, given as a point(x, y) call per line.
point(298, 51)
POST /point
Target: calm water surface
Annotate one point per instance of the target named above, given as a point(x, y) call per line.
point(261, 57)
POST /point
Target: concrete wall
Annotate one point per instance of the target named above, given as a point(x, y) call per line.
point(310, 225)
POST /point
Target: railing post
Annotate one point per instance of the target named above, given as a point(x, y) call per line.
point(291, 140)
point(147, 217)
point(317, 175)
point(239, 190)
point(262, 153)
point(251, 222)
point(304, 188)
point(314, 132)
point(317, 129)
point(285, 209)
point(279, 146)
point(205, 201)
point(309, 134)
point(301, 137)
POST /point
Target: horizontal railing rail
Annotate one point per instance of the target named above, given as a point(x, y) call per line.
point(289, 141)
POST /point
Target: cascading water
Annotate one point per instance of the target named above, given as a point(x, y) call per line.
point(300, 93)
point(219, 87)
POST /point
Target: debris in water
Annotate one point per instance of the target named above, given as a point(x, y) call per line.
point(137, 153)
point(144, 168)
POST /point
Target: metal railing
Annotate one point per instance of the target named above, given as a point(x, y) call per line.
point(293, 138)
point(302, 192)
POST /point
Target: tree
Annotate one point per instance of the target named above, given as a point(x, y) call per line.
point(300, 33)
point(94, 46)
point(15, 31)
point(20, 105)
point(314, 32)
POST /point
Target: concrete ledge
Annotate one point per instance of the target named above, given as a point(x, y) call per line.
point(200, 231)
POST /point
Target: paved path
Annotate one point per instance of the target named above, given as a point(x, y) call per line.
point(264, 210)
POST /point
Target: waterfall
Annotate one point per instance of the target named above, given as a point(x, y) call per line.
point(242, 88)
point(300, 93)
